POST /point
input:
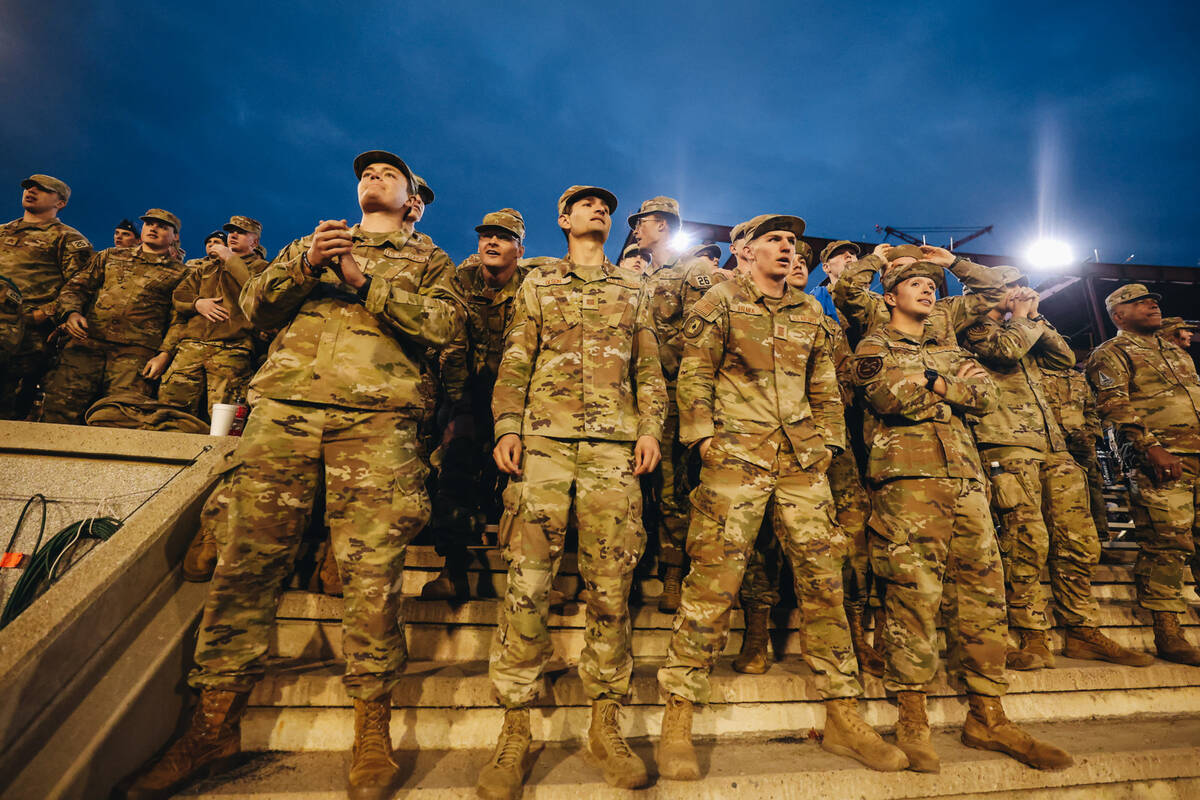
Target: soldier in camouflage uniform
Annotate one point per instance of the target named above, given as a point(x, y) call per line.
point(126, 235)
point(758, 396)
point(468, 493)
point(579, 402)
point(674, 287)
point(931, 535)
point(636, 258)
point(1039, 492)
point(38, 255)
point(836, 256)
point(1178, 332)
point(1148, 390)
point(210, 338)
point(342, 392)
point(1074, 405)
point(116, 311)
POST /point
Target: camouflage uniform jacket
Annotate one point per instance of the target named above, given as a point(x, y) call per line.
point(750, 370)
point(39, 259)
point(674, 290)
point(1148, 389)
point(336, 349)
point(1074, 403)
point(864, 310)
point(469, 365)
point(910, 431)
point(211, 278)
point(125, 293)
point(1011, 352)
point(580, 357)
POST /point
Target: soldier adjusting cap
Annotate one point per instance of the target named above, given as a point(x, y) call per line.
point(573, 193)
point(832, 249)
point(506, 219)
point(1129, 293)
point(667, 206)
point(905, 251)
point(244, 224)
point(364, 160)
point(162, 215)
point(50, 184)
point(917, 269)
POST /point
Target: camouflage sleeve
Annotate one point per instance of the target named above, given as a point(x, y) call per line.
point(825, 394)
point(174, 334)
point(1108, 372)
point(187, 292)
point(852, 295)
point(977, 277)
point(977, 395)
point(843, 357)
point(521, 342)
point(1091, 417)
point(884, 383)
point(965, 310)
point(703, 350)
point(433, 315)
point(272, 297)
point(81, 288)
point(999, 343)
point(665, 300)
point(74, 255)
point(454, 364)
point(1052, 349)
point(242, 268)
point(648, 375)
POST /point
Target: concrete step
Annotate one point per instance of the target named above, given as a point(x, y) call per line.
point(304, 706)
point(1152, 760)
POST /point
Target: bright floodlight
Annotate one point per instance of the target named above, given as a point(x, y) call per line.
point(680, 241)
point(1049, 254)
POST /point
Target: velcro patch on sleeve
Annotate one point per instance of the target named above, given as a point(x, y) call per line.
point(868, 367)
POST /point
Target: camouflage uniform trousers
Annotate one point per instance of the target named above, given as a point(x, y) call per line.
point(1044, 512)
point(1085, 456)
point(728, 508)
point(608, 503)
point(669, 484)
point(90, 370)
point(212, 371)
point(375, 503)
point(1168, 524)
point(760, 586)
point(933, 546)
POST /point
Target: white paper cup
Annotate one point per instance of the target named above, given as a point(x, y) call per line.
point(222, 418)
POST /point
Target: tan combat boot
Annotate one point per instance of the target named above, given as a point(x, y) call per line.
point(201, 557)
point(504, 776)
point(675, 755)
point(330, 575)
point(668, 603)
point(372, 773)
point(1091, 644)
point(912, 733)
point(622, 768)
point(210, 744)
point(987, 728)
point(848, 734)
point(753, 659)
point(1170, 642)
point(1033, 651)
point(869, 659)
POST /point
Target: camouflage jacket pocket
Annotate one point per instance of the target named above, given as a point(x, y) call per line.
point(512, 506)
point(710, 503)
point(1007, 491)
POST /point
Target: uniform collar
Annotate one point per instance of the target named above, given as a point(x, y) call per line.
point(20, 224)
point(895, 335)
point(145, 255)
point(791, 295)
point(585, 273)
point(479, 287)
point(396, 239)
point(1147, 340)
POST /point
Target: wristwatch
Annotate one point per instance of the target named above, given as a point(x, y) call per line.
point(931, 376)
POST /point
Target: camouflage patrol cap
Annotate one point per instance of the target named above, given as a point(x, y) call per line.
point(710, 249)
point(364, 160)
point(573, 193)
point(667, 206)
point(506, 219)
point(767, 223)
point(739, 231)
point(917, 269)
point(1172, 324)
point(841, 244)
point(216, 235)
point(161, 215)
point(905, 251)
point(636, 250)
point(127, 225)
point(423, 190)
point(243, 224)
point(50, 184)
point(804, 250)
point(1129, 293)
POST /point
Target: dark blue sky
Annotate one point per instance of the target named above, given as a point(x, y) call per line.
point(915, 114)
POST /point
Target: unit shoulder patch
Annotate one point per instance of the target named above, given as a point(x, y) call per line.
point(867, 367)
point(694, 326)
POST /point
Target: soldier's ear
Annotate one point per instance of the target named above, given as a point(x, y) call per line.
point(520, 249)
point(889, 299)
point(564, 222)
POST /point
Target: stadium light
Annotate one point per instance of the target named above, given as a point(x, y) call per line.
point(681, 241)
point(1049, 254)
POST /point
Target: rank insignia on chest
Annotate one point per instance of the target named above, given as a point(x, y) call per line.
point(781, 331)
point(868, 367)
point(10, 240)
point(591, 303)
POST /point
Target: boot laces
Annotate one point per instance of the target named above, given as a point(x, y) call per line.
point(511, 746)
point(611, 716)
point(375, 717)
point(676, 726)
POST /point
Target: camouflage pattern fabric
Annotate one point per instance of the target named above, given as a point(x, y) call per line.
point(933, 546)
point(210, 277)
point(580, 358)
point(375, 504)
point(764, 567)
point(204, 373)
point(1074, 405)
point(1148, 390)
point(864, 310)
point(87, 371)
point(727, 511)
point(36, 259)
point(595, 479)
point(335, 348)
